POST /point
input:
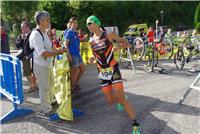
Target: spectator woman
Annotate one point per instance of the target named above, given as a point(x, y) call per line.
point(42, 54)
point(73, 43)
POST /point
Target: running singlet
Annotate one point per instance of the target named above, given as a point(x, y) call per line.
point(102, 50)
point(108, 69)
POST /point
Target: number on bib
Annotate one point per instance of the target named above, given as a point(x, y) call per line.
point(106, 73)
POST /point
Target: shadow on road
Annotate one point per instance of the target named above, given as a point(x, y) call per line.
point(100, 118)
point(99, 115)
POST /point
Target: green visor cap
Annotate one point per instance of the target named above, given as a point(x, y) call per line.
point(93, 19)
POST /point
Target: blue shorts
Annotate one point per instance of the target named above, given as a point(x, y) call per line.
point(76, 61)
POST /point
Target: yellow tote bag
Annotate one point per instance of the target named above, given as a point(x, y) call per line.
point(59, 79)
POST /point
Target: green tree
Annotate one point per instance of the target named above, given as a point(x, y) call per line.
point(15, 11)
point(198, 27)
point(197, 15)
point(59, 11)
point(118, 13)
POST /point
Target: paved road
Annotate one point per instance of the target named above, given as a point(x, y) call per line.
point(154, 96)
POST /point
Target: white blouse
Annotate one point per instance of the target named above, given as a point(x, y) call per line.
point(40, 46)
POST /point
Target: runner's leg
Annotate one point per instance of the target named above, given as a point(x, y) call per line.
point(119, 94)
point(107, 90)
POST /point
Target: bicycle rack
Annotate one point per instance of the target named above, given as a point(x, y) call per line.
point(192, 86)
point(129, 58)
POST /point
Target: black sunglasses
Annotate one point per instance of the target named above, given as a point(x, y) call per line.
point(89, 23)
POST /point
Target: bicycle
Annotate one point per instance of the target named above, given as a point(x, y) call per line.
point(141, 49)
point(156, 49)
point(187, 50)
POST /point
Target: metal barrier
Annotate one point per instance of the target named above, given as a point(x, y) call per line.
point(192, 86)
point(128, 58)
point(11, 86)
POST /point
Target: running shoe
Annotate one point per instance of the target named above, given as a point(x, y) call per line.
point(136, 128)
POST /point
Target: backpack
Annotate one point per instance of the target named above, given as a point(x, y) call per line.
point(20, 45)
point(28, 51)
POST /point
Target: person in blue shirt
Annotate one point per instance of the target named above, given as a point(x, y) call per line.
point(72, 42)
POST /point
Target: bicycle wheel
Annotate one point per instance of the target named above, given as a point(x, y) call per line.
point(195, 52)
point(156, 58)
point(123, 59)
point(138, 48)
point(152, 56)
point(168, 48)
point(189, 45)
point(196, 43)
point(179, 58)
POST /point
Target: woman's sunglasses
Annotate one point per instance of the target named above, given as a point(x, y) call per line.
point(89, 23)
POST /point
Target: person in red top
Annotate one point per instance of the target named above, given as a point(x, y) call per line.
point(56, 41)
point(82, 37)
point(4, 41)
point(52, 36)
point(150, 35)
point(49, 33)
point(54, 33)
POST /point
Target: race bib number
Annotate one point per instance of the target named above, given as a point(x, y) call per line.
point(106, 73)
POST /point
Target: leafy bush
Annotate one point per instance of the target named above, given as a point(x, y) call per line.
point(198, 27)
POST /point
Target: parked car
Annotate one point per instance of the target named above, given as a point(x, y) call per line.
point(135, 29)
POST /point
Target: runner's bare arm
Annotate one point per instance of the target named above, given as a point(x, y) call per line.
point(93, 57)
point(123, 42)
